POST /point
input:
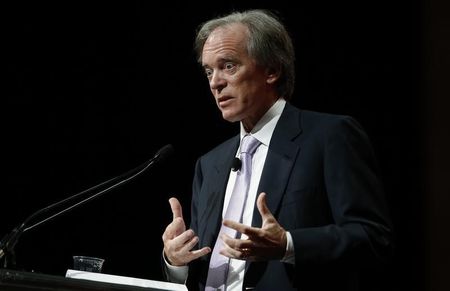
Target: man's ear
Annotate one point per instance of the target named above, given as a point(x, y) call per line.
point(272, 76)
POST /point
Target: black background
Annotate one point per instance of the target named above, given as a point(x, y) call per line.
point(93, 89)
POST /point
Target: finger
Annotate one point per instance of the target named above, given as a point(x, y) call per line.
point(249, 231)
point(227, 250)
point(175, 228)
point(190, 244)
point(195, 254)
point(262, 207)
point(176, 208)
point(236, 243)
point(235, 253)
point(183, 238)
point(201, 252)
point(178, 243)
point(179, 250)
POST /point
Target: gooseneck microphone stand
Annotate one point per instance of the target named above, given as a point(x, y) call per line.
point(9, 241)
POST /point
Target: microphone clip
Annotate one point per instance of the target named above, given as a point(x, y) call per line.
point(236, 165)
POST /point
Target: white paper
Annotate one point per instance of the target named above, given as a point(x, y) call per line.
point(100, 277)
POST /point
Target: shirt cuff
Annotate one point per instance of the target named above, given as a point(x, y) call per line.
point(289, 256)
point(175, 274)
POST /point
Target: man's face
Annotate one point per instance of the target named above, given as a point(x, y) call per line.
point(243, 90)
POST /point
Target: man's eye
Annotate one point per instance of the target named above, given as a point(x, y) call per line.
point(229, 66)
point(208, 73)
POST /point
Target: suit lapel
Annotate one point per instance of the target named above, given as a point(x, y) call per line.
point(279, 161)
point(210, 220)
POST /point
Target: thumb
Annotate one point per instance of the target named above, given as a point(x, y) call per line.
point(262, 206)
point(175, 205)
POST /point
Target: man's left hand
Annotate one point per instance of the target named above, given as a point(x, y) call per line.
point(258, 244)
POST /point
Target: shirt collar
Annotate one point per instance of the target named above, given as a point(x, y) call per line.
point(264, 128)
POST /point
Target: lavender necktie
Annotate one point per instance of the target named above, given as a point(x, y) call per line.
point(218, 266)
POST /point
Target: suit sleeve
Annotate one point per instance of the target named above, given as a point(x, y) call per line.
point(361, 228)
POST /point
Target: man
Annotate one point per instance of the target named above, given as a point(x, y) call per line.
point(314, 215)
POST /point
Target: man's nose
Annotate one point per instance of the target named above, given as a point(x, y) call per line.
point(217, 81)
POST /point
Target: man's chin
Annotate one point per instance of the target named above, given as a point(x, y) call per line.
point(230, 117)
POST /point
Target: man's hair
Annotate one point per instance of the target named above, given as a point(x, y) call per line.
point(269, 44)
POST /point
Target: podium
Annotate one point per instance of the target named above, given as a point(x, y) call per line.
point(11, 280)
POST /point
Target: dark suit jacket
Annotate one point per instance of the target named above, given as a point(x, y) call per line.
point(321, 181)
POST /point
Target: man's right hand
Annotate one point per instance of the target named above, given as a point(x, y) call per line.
point(178, 242)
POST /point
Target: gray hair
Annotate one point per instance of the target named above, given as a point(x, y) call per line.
point(269, 44)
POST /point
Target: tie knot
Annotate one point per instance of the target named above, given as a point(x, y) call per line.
point(249, 144)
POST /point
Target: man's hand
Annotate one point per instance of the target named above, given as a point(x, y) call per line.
point(178, 242)
point(265, 243)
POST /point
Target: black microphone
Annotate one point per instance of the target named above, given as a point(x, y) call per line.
point(236, 165)
point(9, 241)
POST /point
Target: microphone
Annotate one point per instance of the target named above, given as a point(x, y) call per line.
point(9, 241)
point(236, 164)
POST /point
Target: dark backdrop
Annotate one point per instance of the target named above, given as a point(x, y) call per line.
point(93, 89)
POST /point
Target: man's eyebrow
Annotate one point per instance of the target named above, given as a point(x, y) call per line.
point(228, 58)
point(222, 60)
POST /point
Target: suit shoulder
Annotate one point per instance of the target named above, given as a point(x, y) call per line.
point(316, 119)
point(225, 148)
point(325, 117)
